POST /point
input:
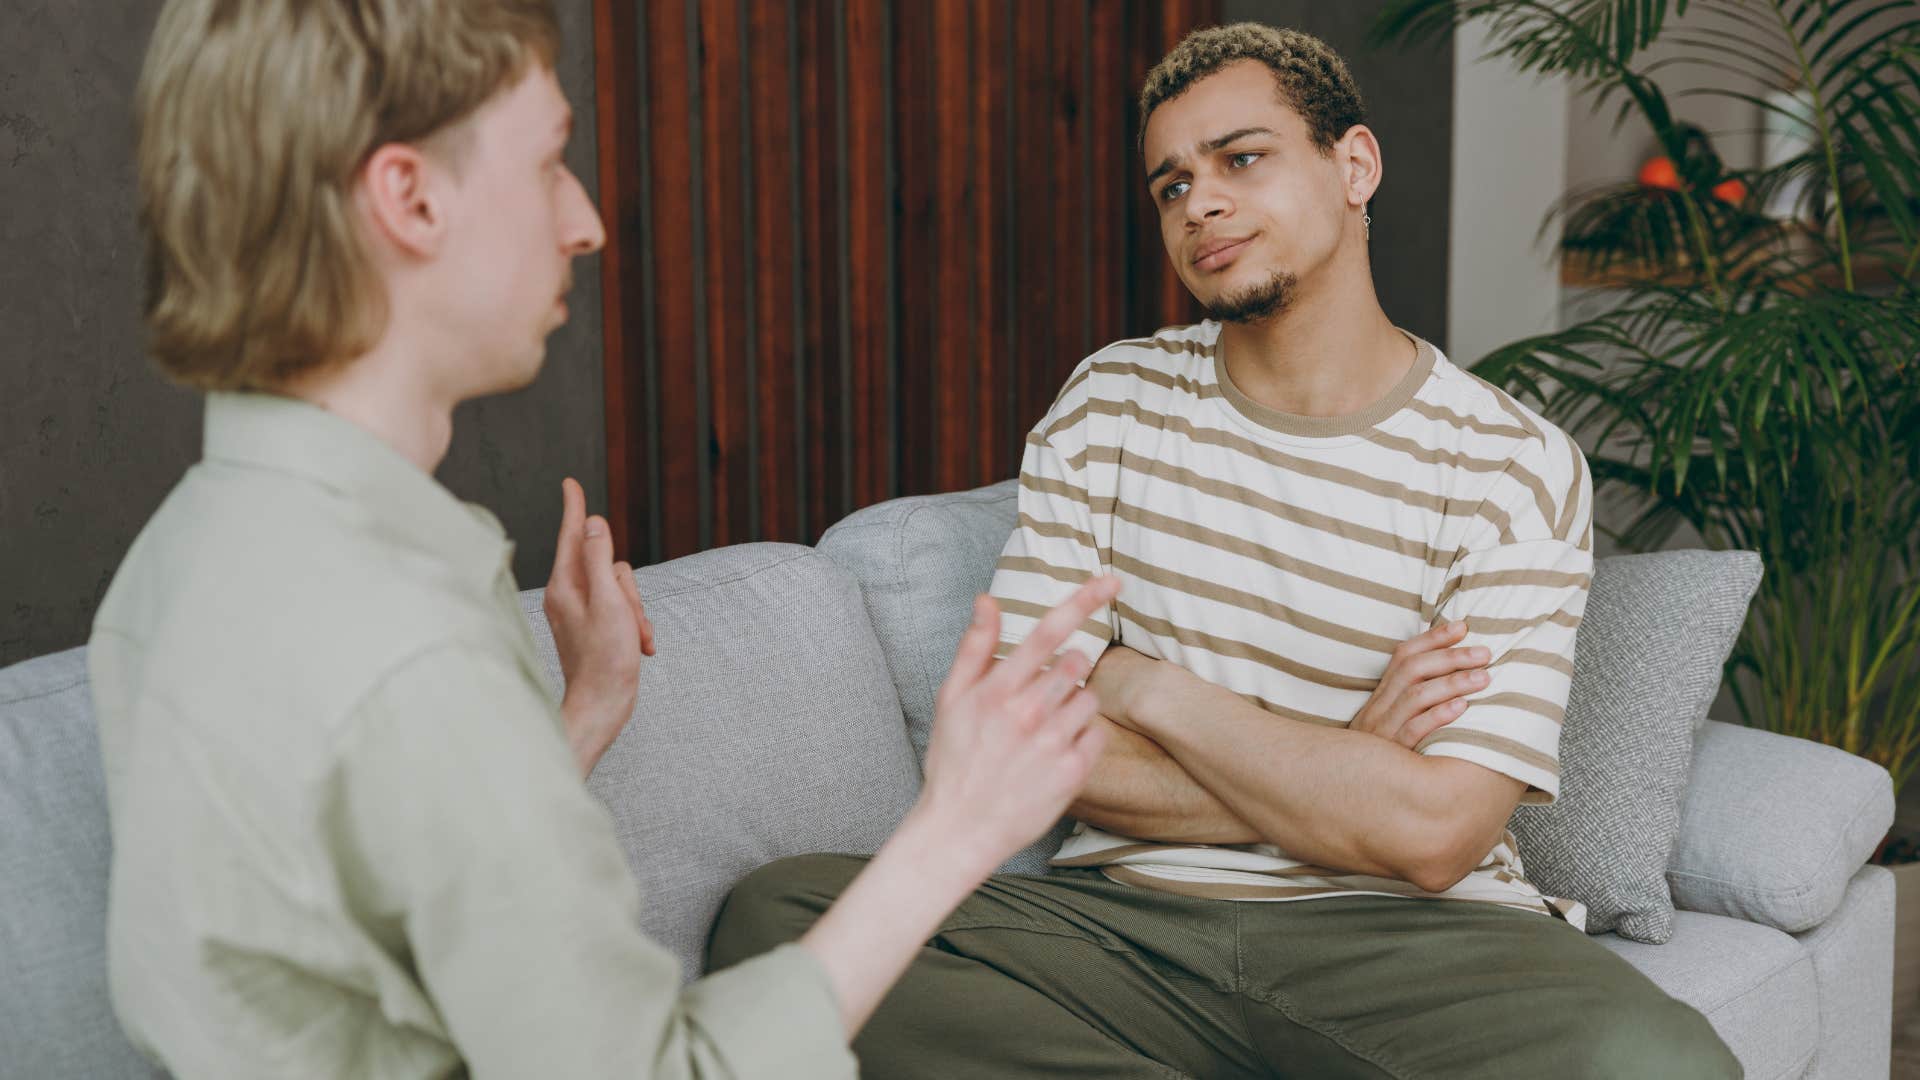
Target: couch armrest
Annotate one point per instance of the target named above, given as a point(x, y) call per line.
point(1774, 827)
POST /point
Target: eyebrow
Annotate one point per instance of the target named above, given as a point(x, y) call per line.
point(1174, 161)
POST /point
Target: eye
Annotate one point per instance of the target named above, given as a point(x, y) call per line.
point(1173, 191)
point(1244, 158)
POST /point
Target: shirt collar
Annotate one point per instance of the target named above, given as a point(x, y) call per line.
point(286, 435)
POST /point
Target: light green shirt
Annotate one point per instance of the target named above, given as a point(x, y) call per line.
point(349, 837)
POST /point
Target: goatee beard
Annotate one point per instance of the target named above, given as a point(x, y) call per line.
point(1255, 303)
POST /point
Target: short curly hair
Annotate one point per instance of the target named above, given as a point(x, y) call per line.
point(1312, 78)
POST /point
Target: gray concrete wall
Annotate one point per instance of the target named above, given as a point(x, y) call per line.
point(1409, 95)
point(91, 437)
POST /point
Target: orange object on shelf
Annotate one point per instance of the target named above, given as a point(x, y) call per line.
point(1659, 172)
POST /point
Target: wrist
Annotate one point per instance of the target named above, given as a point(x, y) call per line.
point(944, 846)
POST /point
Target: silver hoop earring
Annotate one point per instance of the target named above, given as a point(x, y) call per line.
point(1366, 223)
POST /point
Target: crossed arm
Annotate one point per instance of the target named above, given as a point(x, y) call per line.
point(1192, 762)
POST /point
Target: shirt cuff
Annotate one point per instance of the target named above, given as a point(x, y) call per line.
point(774, 1015)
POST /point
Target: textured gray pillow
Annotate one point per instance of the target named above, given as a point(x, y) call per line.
point(1646, 667)
point(55, 1016)
point(920, 562)
point(766, 726)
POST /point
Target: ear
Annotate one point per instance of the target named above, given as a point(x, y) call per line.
point(403, 194)
point(1361, 169)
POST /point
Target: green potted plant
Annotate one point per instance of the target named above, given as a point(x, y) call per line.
point(1756, 375)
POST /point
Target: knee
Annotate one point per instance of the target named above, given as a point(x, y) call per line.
point(1655, 1037)
point(776, 904)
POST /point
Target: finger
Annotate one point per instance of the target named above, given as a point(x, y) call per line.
point(1415, 731)
point(1433, 692)
point(1054, 628)
point(1438, 637)
point(573, 517)
point(1432, 665)
point(1091, 740)
point(1048, 689)
point(975, 653)
point(624, 573)
point(597, 553)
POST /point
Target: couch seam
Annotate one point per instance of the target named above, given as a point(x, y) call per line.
point(744, 575)
point(80, 681)
point(1756, 985)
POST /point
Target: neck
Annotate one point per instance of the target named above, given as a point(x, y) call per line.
point(385, 392)
point(1332, 352)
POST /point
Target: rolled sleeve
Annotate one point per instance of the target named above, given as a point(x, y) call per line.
point(1053, 549)
point(463, 833)
point(1524, 603)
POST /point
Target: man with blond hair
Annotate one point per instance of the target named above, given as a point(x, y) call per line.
point(1352, 575)
point(350, 832)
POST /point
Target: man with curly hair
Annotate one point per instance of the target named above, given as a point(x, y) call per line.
point(1352, 579)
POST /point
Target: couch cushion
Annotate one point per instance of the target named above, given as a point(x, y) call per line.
point(1755, 985)
point(920, 562)
point(55, 1015)
point(766, 726)
point(1646, 667)
point(1775, 827)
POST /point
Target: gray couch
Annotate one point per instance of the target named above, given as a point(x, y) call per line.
point(776, 720)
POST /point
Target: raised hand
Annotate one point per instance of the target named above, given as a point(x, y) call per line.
point(1013, 742)
point(600, 629)
point(1425, 686)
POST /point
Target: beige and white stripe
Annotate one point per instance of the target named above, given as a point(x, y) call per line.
point(1284, 557)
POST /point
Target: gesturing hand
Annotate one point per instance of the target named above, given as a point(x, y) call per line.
point(1424, 686)
point(1012, 743)
point(600, 629)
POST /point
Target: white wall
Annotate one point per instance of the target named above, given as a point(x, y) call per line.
point(1509, 165)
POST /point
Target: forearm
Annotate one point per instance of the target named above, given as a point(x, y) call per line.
point(1345, 800)
point(875, 929)
point(1139, 790)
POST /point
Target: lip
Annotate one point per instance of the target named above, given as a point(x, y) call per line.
point(1219, 253)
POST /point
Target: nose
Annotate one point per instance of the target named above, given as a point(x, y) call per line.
point(582, 232)
point(1207, 201)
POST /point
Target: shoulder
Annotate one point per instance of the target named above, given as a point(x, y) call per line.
point(250, 592)
point(1174, 362)
point(1539, 474)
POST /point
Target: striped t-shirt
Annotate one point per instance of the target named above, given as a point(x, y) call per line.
point(1284, 557)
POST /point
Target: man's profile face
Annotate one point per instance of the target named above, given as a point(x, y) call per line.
point(517, 216)
point(1248, 205)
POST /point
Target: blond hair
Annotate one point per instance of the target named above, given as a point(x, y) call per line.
point(254, 118)
point(1312, 79)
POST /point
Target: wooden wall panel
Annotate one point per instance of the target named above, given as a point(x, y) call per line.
point(855, 247)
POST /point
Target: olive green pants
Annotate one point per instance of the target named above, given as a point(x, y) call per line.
point(1071, 975)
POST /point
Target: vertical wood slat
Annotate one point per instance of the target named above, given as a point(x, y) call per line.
point(617, 100)
point(822, 257)
point(1112, 160)
point(868, 261)
point(953, 426)
point(1066, 255)
point(917, 249)
point(670, 121)
point(776, 354)
point(881, 235)
point(1036, 276)
point(992, 440)
point(724, 251)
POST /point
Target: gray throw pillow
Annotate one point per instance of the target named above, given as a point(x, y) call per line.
point(1647, 665)
point(920, 562)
